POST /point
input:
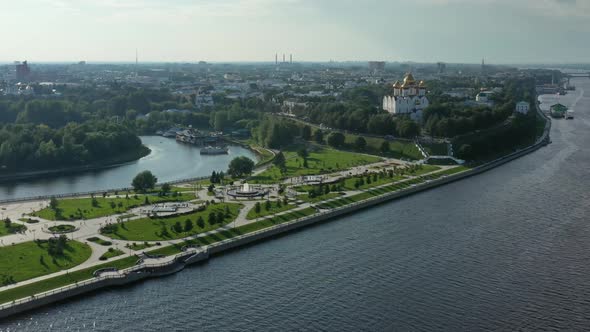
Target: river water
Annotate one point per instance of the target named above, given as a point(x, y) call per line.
point(168, 160)
point(505, 250)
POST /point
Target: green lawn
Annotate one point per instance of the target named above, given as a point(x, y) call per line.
point(62, 229)
point(324, 197)
point(112, 252)
point(397, 149)
point(324, 160)
point(61, 281)
point(13, 229)
point(100, 241)
point(264, 212)
point(436, 149)
point(81, 208)
point(31, 259)
point(139, 245)
point(228, 234)
point(349, 183)
point(161, 228)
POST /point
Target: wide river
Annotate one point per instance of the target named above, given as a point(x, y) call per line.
point(505, 250)
point(168, 160)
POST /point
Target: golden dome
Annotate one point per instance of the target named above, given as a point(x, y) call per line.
point(422, 84)
point(409, 79)
point(397, 85)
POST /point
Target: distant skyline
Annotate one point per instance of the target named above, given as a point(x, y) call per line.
point(456, 31)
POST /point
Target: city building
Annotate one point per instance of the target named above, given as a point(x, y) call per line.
point(408, 98)
point(376, 65)
point(22, 71)
point(522, 107)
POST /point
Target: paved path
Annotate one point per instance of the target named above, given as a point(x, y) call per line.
point(91, 227)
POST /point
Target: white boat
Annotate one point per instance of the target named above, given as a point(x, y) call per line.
point(213, 150)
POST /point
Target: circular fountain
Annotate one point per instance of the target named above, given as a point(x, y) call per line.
point(247, 191)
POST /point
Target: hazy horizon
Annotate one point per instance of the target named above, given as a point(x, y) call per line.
point(422, 31)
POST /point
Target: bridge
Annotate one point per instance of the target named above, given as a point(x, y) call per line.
point(577, 75)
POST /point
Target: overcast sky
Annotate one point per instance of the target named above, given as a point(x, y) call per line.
point(502, 31)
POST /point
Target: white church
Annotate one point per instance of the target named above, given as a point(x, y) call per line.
point(408, 98)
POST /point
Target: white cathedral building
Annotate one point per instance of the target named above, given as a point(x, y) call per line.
point(408, 98)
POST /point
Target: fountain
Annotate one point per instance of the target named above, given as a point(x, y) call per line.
point(247, 191)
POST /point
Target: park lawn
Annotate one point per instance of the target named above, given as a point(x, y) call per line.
point(324, 160)
point(273, 210)
point(324, 197)
point(397, 149)
point(14, 228)
point(139, 245)
point(28, 260)
point(112, 252)
point(436, 149)
point(349, 182)
point(160, 228)
point(61, 281)
point(81, 208)
point(424, 169)
point(100, 241)
point(228, 234)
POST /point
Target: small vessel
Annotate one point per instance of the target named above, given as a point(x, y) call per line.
point(213, 150)
point(569, 115)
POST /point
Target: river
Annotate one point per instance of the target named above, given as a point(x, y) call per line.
point(168, 160)
point(504, 250)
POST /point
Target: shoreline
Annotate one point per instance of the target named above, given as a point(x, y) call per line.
point(121, 161)
point(200, 254)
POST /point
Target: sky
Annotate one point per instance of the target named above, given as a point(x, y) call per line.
point(459, 31)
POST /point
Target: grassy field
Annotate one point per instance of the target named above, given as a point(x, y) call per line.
point(397, 149)
point(100, 241)
point(112, 252)
point(60, 281)
point(81, 208)
point(13, 229)
point(139, 245)
point(161, 228)
point(324, 197)
point(349, 183)
point(436, 149)
point(324, 160)
point(228, 234)
point(31, 259)
point(264, 212)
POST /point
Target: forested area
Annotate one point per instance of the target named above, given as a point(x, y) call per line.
point(517, 129)
point(31, 146)
point(360, 111)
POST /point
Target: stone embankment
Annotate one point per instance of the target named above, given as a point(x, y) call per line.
point(111, 277)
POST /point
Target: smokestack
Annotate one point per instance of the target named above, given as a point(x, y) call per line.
point(276, 58)
point(291, 58)
point(283, 57)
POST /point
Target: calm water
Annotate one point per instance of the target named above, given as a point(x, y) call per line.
point(506, 250)
point(168, 160)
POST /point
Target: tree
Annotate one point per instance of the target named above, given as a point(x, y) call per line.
point(267, 206)
point(165, 189)
point(280, 162)
point(53, 203)
point(384, 147)
point(210, 188)
point(257, 208)
point(212, 218)
point(200, 222)
point(318, 136)
point(360, 143)
point(336, 139)
point(306, 132)
point(144, 181)
point(240, 166)
point(227, 212)
point(177, 227)
point(220, 216)
point(279, 204)
point(188, 225)
point(303, 153)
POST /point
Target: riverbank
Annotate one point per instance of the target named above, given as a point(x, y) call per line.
point(104, 164)
point(230, 239)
